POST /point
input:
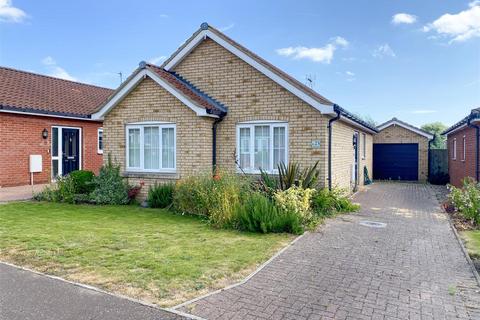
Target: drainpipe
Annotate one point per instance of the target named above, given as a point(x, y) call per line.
point(477, 151)
point(330, 129)
point(214, 142)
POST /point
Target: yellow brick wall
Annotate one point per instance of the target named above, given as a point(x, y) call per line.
point(343, 155)
point(397, 134)
point(149, 102)
point(249, 95)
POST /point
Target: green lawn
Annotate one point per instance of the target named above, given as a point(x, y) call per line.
point(472, 240)
point(148, 254)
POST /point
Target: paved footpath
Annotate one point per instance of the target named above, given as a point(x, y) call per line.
point(413, 268)
point(25, 295)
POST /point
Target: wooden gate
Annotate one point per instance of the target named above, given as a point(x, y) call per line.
point(438, 166)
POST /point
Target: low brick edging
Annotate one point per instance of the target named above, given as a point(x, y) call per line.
point(250, 276)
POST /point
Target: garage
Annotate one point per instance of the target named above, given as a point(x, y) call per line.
point(400, 152)
point(395, 161)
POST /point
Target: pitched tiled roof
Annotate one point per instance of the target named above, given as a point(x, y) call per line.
point(355, 118)
point(405, 125)
point(261, 61)
point(28, 92)
point(189, 90)
point(474, 115)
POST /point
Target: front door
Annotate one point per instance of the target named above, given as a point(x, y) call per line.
point(70, 150)
point(355, 160)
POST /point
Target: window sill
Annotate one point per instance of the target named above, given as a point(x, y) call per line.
point(99, 152)
point(151, 175)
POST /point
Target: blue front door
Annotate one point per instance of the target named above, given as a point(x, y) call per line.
point(70, 150)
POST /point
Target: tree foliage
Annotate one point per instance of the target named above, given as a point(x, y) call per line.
point(436, 128)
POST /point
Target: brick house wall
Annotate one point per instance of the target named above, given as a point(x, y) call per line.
point(398, 134)
point(343, 155)
point(150, 102)
point(461, 167)
point(21, 136)
point(250, 95)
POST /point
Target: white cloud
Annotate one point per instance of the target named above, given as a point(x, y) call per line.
point(230, 26)
point(460, 26)
point(406, 18)
point(384, 50)
point(350, 73)
point(164, 16)
point(56, 71)
point(156, 60)
point(323, 54)
point(9, 13)
point(342, 42)
point(423, 111)
point(350, 76)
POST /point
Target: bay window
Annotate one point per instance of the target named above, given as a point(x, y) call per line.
point(151, 147)
point(262, 146)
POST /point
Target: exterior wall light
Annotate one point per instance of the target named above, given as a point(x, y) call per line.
point(45, 134)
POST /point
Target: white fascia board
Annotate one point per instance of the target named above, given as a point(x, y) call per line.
point(456, 129)
point(389, 123)
point(356, 124)
point(326, 109)
point(120, 95)
point(48, 115)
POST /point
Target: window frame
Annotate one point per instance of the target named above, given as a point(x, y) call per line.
point(364, 146)
point(454, 147)
point(251, 125)
point(464, 155)
point(141, 127)
point(99, 151)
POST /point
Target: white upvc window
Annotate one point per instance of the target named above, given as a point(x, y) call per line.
point(454, 156)
point(151, 147)
point(100, 141)
point(464, 148)
point(262, 145)
point(364, 146)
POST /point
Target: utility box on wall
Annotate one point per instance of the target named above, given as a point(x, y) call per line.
point(35, 163)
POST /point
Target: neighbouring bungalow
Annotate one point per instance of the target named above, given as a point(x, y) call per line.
point(463, 148)
point(214, 103)
point(49, 119)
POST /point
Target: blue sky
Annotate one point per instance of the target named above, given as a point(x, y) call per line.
point(416, 60)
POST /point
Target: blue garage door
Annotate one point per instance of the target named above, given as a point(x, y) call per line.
point(395, 161)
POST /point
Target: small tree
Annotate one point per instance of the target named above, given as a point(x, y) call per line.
point(436, 128)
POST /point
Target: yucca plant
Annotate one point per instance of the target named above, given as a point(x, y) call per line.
point(290, 175)
point(287, 175)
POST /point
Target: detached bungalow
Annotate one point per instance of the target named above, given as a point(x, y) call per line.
point(214, 103)
point(50, 119)
point(463, 148)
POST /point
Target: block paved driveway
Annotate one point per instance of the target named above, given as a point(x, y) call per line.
point(411, 269)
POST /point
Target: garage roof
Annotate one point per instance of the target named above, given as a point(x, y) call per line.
point(395, 121)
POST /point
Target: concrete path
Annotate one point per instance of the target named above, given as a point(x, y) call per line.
point(25, 295)
point(19, 193)
point(412, 268)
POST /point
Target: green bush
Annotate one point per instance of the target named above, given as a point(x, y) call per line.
point(160, 195)
point(288, 176)
point(467, 199)
point(297, 201)
point(258, 213)
point(110, 188)
point(82, 181)
point(327, 203)
point(211, 197)
point(62, 191)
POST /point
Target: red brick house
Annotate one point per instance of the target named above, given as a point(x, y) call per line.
point(463, 148)
point(51, 118)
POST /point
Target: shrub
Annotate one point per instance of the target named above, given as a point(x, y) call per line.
point(160, 195)
point(132, 193)
point(215, 199)
point(259, 214)
point(288, 176)
point(110, 188)
point(297, 201)
point(467, 200)
point(62, 191)
point(82, 181)
point(327, 203)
